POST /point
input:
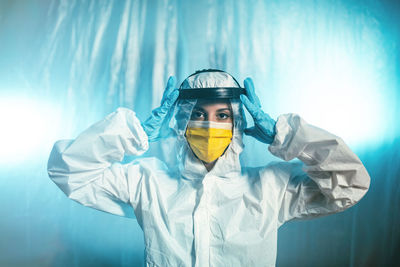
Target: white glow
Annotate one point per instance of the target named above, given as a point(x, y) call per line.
point(340, 96)
point(28, 127)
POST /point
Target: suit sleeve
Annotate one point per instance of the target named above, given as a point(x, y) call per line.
point(88, 169)
point(331, 179)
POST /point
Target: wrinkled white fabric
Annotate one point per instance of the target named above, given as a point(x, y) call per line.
point(226, 217)
point(209, 79)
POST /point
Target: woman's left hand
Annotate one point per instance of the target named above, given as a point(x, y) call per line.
point(264, 126)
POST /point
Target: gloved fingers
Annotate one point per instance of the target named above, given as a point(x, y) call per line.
point(253, 109)
point(169, 87)
point(153, 126)
point(251, 93)
point(170, 95)
point(169, 101)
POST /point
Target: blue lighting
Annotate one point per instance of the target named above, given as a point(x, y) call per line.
point(66, 64)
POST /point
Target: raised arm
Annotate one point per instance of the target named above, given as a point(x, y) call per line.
point(332, 177)
point(88, 169)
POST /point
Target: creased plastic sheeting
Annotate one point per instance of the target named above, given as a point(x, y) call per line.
point(336, 63)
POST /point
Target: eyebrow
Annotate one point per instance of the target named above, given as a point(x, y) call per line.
point(218, 110)
point(223, 109)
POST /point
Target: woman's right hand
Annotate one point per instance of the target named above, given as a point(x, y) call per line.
point(159, 117)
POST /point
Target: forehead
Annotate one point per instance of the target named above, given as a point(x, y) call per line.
point(213, 103)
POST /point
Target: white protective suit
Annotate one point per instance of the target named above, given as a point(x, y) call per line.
point(226, 217)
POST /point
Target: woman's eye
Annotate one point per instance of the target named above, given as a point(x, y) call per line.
point(223, 116)
point(196, 115)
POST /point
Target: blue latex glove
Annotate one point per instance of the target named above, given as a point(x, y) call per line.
point(264, 126)
point(157, 125)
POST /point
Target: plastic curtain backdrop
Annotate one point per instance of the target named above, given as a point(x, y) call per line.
point(66, 64)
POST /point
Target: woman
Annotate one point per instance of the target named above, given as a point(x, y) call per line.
point(208, 209)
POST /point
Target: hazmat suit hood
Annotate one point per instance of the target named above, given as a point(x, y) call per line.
point(189, 165)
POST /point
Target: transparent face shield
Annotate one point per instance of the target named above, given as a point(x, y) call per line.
point(184, 108)
point(207, 85)
point(183, 111)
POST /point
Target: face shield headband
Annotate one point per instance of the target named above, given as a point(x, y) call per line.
point(218, 92)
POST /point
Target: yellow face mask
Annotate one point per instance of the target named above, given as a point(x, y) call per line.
point(208, 140)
